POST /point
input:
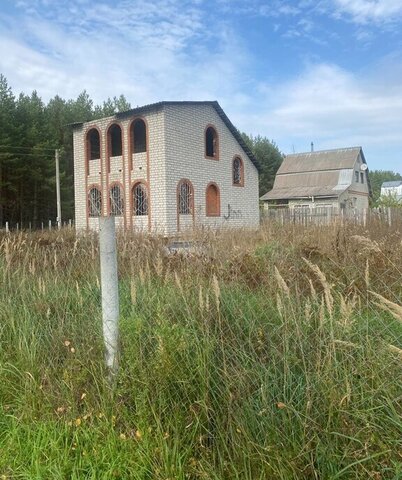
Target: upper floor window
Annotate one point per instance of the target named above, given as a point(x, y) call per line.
point(356, 176)
point(362, 177)
point(116, 200)
point(211, 143)
point(115, 141)
point(185, 197)
point(213, 201)
point(139, 136)
point(140, 199)
point(93, 144)
point(95, 202)
point(238, 172)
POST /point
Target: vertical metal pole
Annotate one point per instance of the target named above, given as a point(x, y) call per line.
point(58, 189)
point(50, 224)
point(7, 229)
point(110, 291)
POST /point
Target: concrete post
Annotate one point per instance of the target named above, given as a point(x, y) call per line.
point(58, 190)
point(110, 291)
point(7, 228)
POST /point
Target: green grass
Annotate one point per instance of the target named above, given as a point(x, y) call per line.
point(223, 374)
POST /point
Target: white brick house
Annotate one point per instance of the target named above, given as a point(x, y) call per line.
point(165, 167)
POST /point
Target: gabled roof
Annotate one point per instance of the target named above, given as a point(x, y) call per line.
point(320, 160)
point(394, 183)
point(214, 104)
point(325, 173)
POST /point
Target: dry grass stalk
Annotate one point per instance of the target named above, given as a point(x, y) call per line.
point(366, 245)
point(367, 274)
point(217, 291)
point(329, 300)
point(391, 307)
point(346, 308)
point(279, 305)
point(395, 349)
point(281, 282)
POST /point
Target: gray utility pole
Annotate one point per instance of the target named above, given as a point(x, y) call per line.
point(58, 189)
point(110, 291)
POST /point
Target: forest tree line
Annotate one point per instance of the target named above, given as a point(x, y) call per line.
point(31, 130)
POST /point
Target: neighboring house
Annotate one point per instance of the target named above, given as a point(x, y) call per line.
point(392, 189)
point(165, 167)
point(329, 178)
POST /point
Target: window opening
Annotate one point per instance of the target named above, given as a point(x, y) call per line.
point(140, 199)
point(213, 201)
point(115, 141)
point(211, 142)
point(95, 202)
point(116, 201)
point(237, 171)
point(185, 198)
point(93, 144)
point(139, 136)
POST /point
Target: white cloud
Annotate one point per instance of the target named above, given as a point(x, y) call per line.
point(334, 108)
point(147, 51)
point(370, 10)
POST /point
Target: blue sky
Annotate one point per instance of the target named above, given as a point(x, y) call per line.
point(327, 71)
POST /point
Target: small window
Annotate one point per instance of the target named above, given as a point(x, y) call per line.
point(237, 170)
point(185, 198)
point(95, 202)
point(356, 177)
point(213, 205)
point(211, 143)
point(114, 139)
point(140, 199)
point(139, 136)
point(93, 144)
point(116, 201)
point(361, 177)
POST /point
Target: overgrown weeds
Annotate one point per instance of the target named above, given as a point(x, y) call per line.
point(270, 354)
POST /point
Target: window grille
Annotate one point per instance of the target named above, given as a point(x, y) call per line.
point(95, 202)
point(185, 198)
point(140, 199)
point(116, 201)
point(237, 171)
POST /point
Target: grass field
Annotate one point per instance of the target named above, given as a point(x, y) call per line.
point(271, 355)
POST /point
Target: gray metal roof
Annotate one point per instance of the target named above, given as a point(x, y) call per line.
point(212, 103)
point(325, 173)
point(395, 183)
point(321, 160)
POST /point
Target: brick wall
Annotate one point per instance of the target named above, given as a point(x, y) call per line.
point(175, 151)
point(185, 148)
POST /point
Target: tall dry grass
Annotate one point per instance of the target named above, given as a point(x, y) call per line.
point(267, 354)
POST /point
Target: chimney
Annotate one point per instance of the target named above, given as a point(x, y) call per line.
point(312, 146)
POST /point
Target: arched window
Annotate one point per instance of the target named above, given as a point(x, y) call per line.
point(116, 200)
point(114, 141)
point(211, 143)
point(139, 136)
point(213, 202)
point(93, 144)
point(140, 199)
point(185, 197)
point(238, 172)
point(94, 202)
